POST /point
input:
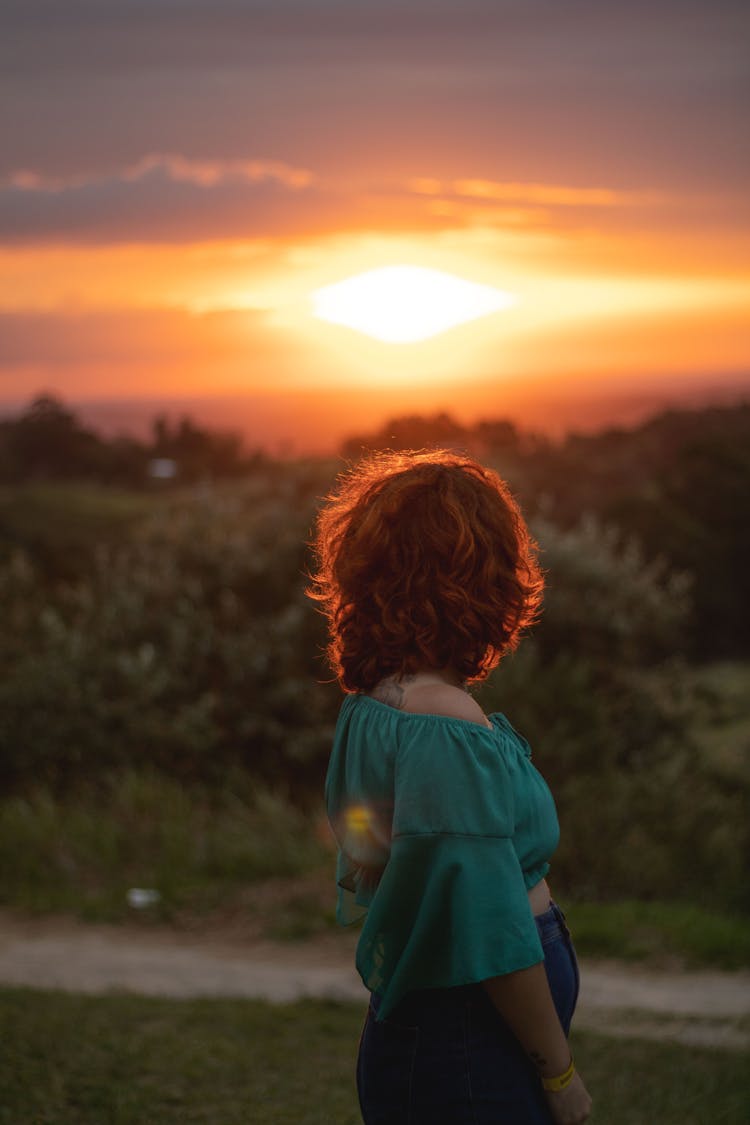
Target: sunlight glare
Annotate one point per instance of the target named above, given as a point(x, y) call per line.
point(403, 304)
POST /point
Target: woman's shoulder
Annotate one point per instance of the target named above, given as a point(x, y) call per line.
point(415, 706)
point(443, 699)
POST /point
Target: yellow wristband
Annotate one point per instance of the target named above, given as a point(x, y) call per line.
point(562, 1081)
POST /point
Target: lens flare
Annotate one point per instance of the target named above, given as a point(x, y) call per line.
point(358, 819)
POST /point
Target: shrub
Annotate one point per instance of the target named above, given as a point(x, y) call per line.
point(614, 715)
point(192, 649)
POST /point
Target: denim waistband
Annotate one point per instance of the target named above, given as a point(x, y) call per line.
point(551, 925)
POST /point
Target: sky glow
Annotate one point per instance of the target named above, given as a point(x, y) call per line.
point(404, 304)
point(198, 201)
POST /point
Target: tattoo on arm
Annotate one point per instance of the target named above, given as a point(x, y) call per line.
point(538, 1060)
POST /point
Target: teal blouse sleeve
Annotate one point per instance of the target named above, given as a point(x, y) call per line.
point(451, 905)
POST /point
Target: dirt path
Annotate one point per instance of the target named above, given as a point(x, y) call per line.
point(706, 1008)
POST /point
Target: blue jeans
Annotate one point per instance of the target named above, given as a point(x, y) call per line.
point(446, 1057)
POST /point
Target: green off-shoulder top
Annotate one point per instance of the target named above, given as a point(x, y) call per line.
point(442, 826)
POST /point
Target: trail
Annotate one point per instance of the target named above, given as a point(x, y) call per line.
point(701, 1008)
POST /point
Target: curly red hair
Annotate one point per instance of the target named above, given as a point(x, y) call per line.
point(424, 561)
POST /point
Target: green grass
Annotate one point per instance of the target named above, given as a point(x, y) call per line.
point(724, 731)
point(60, 524)
point(198, 849)
point(122, 1060)
point(660, 932)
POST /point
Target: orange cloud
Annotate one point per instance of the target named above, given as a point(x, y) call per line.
point(552, 195)
point(555, 195)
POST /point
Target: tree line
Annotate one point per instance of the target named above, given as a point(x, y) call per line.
point(46, 441)
point(679, 484)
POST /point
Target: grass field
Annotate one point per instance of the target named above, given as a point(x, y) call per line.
point(123, 1060)
point(57, 524)
point(675, 933)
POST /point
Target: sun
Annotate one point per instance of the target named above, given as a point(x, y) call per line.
point(403, 304)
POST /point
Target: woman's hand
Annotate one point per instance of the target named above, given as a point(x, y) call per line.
point(570, 1106)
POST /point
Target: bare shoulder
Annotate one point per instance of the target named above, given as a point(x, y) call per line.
point(444, 699)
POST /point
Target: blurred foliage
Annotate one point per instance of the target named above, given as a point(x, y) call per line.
point(664, 933)
point(679, 484)
point(618, 723)
point(60, 528)
point(190, 648)
point(137, 828)
point(168, 631)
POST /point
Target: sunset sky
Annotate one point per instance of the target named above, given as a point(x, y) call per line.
point(178, 176)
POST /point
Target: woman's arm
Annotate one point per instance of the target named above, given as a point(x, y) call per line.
point(524, 1001)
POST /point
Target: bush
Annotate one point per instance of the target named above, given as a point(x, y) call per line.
point(614, 720)
point(191, 649)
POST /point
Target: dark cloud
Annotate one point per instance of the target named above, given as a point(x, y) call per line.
point(157, 208)
point(141, 34)
point(647, 96)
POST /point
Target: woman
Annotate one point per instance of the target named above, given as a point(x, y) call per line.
point(428, 575)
